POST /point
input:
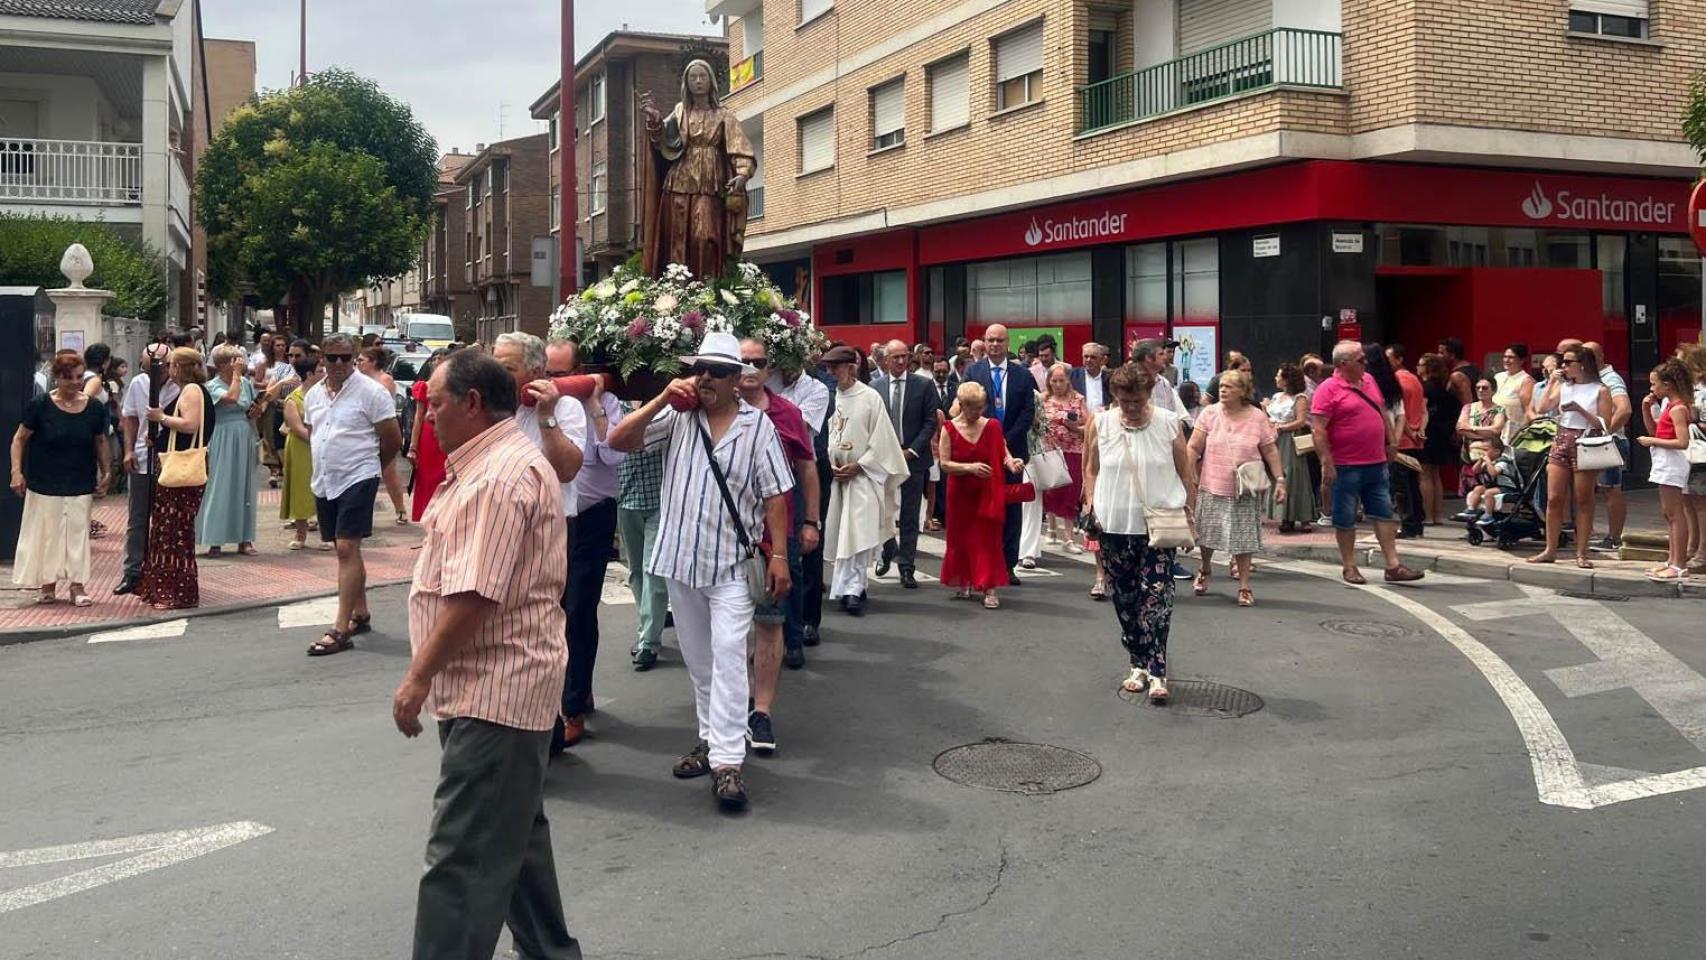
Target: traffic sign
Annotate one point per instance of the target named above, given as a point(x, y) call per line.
point(1697, 216)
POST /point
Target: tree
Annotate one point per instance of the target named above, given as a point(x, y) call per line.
point(316, 190)
point(1694, 121)
point(31, 248)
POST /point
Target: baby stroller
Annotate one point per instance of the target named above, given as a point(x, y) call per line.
point(1519, 506)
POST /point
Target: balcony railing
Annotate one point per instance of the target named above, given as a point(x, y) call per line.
point(1282, 57)
point(71, 171)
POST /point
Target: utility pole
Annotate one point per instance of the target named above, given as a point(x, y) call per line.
point(568, 265)
point(302, 47)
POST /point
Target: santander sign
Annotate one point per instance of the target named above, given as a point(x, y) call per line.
point(1565, 206)
point(1107, 226)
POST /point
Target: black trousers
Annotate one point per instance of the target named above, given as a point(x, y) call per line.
point(811, 606)
point(905, 552)
point(1011, 525)
point(1407, 491)
point(589, 554)
point(488, 857)
point(136, 531)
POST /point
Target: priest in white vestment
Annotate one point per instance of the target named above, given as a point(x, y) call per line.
point(867, 468)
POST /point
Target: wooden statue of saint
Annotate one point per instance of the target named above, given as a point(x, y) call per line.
point(693, 190)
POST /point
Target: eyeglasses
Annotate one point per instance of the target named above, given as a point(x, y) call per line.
point(759, 362)
point(337, 357)
point(715, 371)
point(1570, 360)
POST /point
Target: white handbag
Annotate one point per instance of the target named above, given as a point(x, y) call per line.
point(1696, 451)
point(1598, 452)
point(1048, 470)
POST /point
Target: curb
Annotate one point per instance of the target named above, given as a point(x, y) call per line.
point(1594, 583)
point(31, 635)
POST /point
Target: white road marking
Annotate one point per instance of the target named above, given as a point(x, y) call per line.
point(148, 631)
point(893, 576)
point(1559, 779)
point(154, 850)
point(308, 613)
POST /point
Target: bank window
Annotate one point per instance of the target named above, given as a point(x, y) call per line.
point(888, 297)
point(1019, 67)
point(1678, 305)
point(863, 298)
point(1030, 291)
point(888, 115)
point(1196, 281)
point(1568, 251)
point(817, 141)
point(950, 93)
point(1613, 262)
point(1610, 18)
point(1146, 283)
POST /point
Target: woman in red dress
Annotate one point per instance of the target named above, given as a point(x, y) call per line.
point(424, 451)
point(973, 455)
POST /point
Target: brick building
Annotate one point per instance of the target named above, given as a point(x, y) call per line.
point(505, 197)
point(1263, 174)
point(445, 287)
point(608, 125)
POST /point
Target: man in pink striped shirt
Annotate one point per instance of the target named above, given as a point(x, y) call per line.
point(486, 631)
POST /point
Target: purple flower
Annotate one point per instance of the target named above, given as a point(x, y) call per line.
point(792, 316)
point(693, 320)
point(638, 329)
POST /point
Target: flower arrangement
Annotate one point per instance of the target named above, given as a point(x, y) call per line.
point(633, 324)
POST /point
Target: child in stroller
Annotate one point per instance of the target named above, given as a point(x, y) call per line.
point(1483, 480)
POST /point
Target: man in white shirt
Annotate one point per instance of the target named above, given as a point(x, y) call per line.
point(133, 413)
point(1091, 380)
point(1151, 355)
point(353, 435)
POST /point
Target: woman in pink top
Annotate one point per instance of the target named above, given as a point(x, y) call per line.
point(1229, 433)
point(1066, 415)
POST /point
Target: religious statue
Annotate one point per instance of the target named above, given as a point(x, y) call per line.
point(694, 200)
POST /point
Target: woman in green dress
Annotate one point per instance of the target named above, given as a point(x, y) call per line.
point(1289, 410)
point(227, 512)
point(295, 499)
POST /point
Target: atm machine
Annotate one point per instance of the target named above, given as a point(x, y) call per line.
point(24, 311)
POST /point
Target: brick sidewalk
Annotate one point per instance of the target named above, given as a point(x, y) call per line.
point(275, 575)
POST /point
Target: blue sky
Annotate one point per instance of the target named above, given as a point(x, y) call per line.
point(439, 56)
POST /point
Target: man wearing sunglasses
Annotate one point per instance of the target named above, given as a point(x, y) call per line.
point(707, 433)
point(353, 435)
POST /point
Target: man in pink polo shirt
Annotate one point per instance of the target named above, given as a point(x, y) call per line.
point(1351, 437)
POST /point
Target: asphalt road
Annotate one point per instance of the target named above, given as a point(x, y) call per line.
point(1417, 785)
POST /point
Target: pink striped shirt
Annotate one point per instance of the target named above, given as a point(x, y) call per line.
point(496, 528)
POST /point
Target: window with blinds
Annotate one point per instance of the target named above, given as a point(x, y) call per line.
point(595, 98)
point(812, 9)
point(888, 115)
point(752, 28)
point(1210, 23)
point(1610, 18)
point(1019, 67)
point(817, 141)
point(950, 93)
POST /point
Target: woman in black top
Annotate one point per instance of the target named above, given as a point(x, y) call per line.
point(169, 577)
point(59, 462)
point(1439, 443)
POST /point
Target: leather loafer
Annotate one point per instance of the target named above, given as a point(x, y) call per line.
point(794, 658)
point(908, 580)
point(883, 564)
point(127, 585)
point(855, 606)
point(808, 636)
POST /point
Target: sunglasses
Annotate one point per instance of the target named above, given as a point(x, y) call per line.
point(1569, 360)
point(759, 362)
point(337, 357)
point(716, 371)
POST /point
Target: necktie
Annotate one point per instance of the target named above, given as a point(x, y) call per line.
point(894, 404)
point(999, 374)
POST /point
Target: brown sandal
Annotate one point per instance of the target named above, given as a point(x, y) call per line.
point(1245, 597)
point(1354, 576)
point(333, 642)
point(694, 764)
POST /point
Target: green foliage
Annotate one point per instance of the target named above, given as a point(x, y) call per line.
point(315, 190)
point(31, 248)
point(1694, 120)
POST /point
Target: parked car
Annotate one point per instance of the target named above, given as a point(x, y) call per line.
point(405, 369)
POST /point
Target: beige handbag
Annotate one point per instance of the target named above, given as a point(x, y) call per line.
point(1169, 527)
point(1253, 478)
point(1303, 442)
point(185, 468)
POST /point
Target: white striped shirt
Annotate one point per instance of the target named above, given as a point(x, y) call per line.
point(697, 544)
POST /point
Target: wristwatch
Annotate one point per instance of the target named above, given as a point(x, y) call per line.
point(550, 423)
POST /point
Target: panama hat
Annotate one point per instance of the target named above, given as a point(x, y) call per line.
point(720, 348)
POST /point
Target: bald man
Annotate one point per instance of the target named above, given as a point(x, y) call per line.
point(912, 401)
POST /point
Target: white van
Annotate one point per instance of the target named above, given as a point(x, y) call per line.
point(432, 329)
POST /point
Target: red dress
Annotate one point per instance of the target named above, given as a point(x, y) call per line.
point(977, 507)
point(429, 458)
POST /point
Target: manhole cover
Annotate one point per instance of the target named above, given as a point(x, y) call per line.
point(1366, 629)
point(1203, 698)
point(1029, 768)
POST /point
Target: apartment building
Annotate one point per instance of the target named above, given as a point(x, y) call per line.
point(224, 80)
point(608, 130)
point(505, 205)
point(444, 279)
point(1267, 174)
point(95, 121)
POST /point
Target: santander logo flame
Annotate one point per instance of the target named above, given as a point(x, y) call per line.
point(1537, 206)
point(1034, 235)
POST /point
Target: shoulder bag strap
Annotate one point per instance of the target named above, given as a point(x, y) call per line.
point(723, 486)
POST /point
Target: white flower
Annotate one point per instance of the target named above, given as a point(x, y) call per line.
point(729, 298)
point(717, 323)
point(612, 314)
point(604, 290)
point(630, 286)
point(677, 272)
point(666, 303)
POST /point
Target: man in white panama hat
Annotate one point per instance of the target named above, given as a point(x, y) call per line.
point(699, 553)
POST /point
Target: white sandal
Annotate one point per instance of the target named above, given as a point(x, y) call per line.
point(1135, 681)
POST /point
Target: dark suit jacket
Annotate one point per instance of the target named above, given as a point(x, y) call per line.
point(1078, 382)
point(917, 419)
point(946, 396)
point(1019, 407)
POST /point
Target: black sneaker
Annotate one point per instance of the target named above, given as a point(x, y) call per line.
point(1180, 573)
point(760, 734)
point(729, 789)
point(645, 659)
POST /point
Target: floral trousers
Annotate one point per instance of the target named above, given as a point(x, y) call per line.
point(1140, 578)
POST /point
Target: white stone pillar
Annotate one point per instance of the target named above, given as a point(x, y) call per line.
point(77, 320)
point(156, 152)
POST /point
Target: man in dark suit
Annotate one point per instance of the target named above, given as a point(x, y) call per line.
point(1013, 404)
point(946, 384)
point(1091, 380)
point(911, 400)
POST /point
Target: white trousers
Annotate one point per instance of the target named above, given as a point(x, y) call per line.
point(53, 540)
point(711, 624)
point(851, 575)
point(1031, 529)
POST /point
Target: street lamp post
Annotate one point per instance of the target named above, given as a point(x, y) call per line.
point(568, 266)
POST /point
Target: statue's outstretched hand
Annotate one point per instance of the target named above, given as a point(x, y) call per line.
point(737, 183)
point(649, 107)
